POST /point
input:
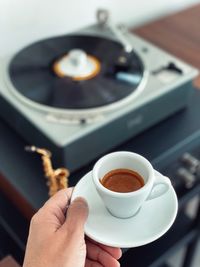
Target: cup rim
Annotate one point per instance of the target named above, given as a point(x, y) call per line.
point(119, 194)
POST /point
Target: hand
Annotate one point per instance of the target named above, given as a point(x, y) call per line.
point(56, 240)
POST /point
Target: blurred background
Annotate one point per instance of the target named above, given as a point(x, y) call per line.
point(23, 21)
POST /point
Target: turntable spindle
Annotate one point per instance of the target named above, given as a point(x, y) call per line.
point(78, 65)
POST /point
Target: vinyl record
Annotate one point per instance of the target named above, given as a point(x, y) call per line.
point(31, 72)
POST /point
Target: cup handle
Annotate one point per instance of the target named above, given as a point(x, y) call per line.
point(160, 187)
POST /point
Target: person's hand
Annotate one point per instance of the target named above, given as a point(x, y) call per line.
point(57, 240)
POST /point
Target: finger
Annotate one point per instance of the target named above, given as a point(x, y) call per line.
point(114, 252)
point(60, 200)
point(51, 216)
point(77, 214)
point(98, 254)
point(89, 263)
point(54, 209)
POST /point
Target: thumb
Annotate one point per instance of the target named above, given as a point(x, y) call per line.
point(77, 214)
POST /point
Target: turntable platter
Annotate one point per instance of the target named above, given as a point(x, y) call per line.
point(32, 74)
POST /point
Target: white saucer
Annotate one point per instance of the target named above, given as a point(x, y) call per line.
point(151, 222)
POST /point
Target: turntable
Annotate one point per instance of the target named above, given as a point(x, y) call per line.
point(84, 93)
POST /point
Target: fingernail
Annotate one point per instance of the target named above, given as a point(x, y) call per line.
point(81, 201)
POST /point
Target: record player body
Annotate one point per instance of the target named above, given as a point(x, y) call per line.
point(79, 131)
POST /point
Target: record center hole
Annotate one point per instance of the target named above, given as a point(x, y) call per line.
point(83, 121)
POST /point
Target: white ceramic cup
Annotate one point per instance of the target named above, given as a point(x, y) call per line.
point(124, 205)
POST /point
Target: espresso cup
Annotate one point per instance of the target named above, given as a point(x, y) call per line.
point(125, 205)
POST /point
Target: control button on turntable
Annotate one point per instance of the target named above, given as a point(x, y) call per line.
point(145, 50)
point(73, 120)
point(167, 74)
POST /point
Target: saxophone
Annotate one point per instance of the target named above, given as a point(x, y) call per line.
point(57, 179)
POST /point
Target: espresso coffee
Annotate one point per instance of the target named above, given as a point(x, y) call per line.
point(122, 181)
